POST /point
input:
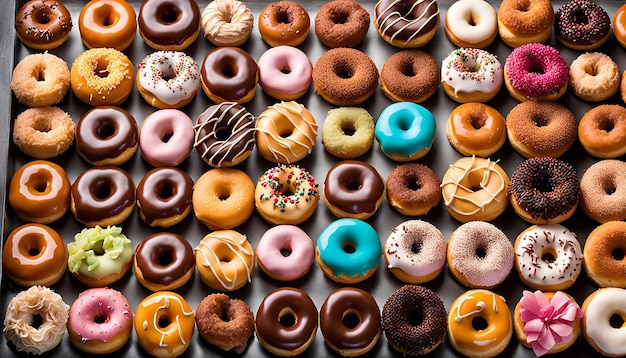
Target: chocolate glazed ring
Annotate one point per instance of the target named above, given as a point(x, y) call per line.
point(229, 74)
point(164, 196)
point(167, 23)
point(163, 259)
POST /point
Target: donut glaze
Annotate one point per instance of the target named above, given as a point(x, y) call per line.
point(169, 25)
point(164, 261)
point(164, 196)
point(285, 72)
point(284, 23)
point(406, 23)
point(476, 129)
point(43, 24)
point(598, 308)
point(108, 23)
point(285, 252)
point(166, 137)
point(229, 74)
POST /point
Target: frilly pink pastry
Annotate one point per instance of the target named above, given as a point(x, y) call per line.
point(547, 323)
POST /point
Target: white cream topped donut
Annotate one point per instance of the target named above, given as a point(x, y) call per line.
point(471, 74)
point(471, 23)
point(598, 310)
point(168, 79)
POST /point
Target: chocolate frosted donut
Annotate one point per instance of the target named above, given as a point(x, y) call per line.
point(229, 74)
point(582, 25)
point(169, 25)
point(164, 196)
point(406, 24)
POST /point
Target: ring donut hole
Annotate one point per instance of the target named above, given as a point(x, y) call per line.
point(416, 317)
point(106, 129)
point(168, 14)
point(617, 254)
point(106, 15)
point(343, 70)
point(347, 128)
point(283, 16)
point(339, 17)
point(616, 320)
point(351, 318)
point(101, 69)
point(223, 133)
point(353, 184)
point(477, 120)
point(416, 246)
point(479, 323)
point(480, 252)
point(412, 182)
point(287, 317)
point(608, 186)
point(165, 191)
point(539, 120)
point(36, 320)
point(163, 321)
point(285, 251)
point(606, 123)
point(42, 124)
point(548, 255)
point(32, 246)
point(39, 182)
point(101, 317)
point(42, 15)
point(348, 247)
point(522, 6)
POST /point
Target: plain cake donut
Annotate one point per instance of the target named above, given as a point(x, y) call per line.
point(603, 191)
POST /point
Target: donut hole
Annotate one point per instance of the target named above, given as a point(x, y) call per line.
point(40, 15)
point(167, 73)
point(97, 248)
point(223, 133)
point(223, 195)
point(36, 321)
point(228, 71)
point(165, 259)
point(616, 321)
point(413, 184)
point(351, 319)
point(548, 256)
point(539, 121)
point(416, 247)
point(535, 67)
point(102, 192)
point(169, 15)
point(39, 182)
point(286, 252)
point(480, 252)
point(348, 129)
point(283, 16)
point(340, 18)
point(164, 322)
point(343, 70)
point(522, 6)
point(477, 120)
point(42, 125)
point(609, 187)
point(101, 69)
point(617, 253)
point(416, 318)
point(287, 318)
point(165, 192)
point(353, 185)
point(606, 124)
point(39, 73)
point(285, 69)
point(408, 70)
point(31, 245)
point(105, 130)
point(106, 15)
point(580, 18)
point(479, 323)
point(348, 247)
point(100, 318)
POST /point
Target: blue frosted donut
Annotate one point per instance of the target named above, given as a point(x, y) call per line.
point(405, 131)
point(348, 250)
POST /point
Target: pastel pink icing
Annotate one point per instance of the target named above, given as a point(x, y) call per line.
point(536, 70)
point(285, 69)
point(548, 322)
point(288, 238)
point(166, 137)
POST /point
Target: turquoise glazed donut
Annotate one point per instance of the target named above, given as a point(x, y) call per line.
point(405, 131)
point(348, 250)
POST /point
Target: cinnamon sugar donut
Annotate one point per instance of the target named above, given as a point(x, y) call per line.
point(603, 191)
point(43, 132)
point(413, 189)
point(410, 75)
point(521, 22)
point(342, 23)
point(225, 322)
point(40, 79)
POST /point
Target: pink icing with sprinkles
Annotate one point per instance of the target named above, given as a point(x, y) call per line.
point(536, 70)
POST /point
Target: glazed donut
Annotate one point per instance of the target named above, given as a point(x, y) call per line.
point(602, 195)
point(229, 74)
point(225, 322)
point(471, 23)
point(284, 23)
point(40, 79)
point(39, 192)
point(286, 322)
point(285, 252)
point(342, 23)
point(166, 137)
point(100, 321)
point(475, 189)
point(353, 189)
point(285, 132)
point(225, 260)
point(34, 254)
point(348, 132)
point(476, 129)
point(471, 75)
point(350, 321)
point(525, 22)
point(479, 324)
point(601, 131)
point(406, 24)
point(164, 323)
point(403, 334)
point(348, 250)
point(18, 322)
point(619, 25)
point(168, 79)
point(285, 72)
point(415, 251)
point(603, 254)
point(224, 134)
point(109, 23)
point(102, 76)
point(43, 24)
point(223, 198)
point(547, 333)
point(43, 132)
point(536, 72)
point(227, 22)
point(548, 257)
point(594, 77)
point(544, 190)
point(480, 255)
point(582, 25)
point(107, 135)
point(164, 196)
point(103, 196)
point(345, 76)
point(163, 262)
point(169, 25)
point(541, 129)
point(600, 309)
point(410, 76)
point(413, 189)
point(405, 131)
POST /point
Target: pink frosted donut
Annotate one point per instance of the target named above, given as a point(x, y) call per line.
point(536, 72)
point(285, 252)
point(100, 321)
point(166, 137)
point(285, 72)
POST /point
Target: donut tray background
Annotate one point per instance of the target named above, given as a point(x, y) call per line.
point(382, 283)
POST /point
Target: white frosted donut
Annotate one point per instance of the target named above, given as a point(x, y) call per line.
point(168, 79)
point(471, 75)
point(599, 307)
point(471, 23)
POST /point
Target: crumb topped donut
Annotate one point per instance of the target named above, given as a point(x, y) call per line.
point(342, 23)
point(521, 22)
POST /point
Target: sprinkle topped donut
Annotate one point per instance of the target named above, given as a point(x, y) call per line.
point(471, 75)
point(582, 25)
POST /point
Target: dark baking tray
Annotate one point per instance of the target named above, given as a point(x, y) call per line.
point(315, 283)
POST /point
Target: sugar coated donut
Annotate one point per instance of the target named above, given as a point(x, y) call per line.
point(284, 23)
point(43, 132)
point(285, 252)
point(109, 23)
point(401, 330)
point(18, 322)
point(602, 195)
point(480, 255)
point(582, 25)
point(524, 22)
point(169, 25)
point(475, 189)
point(225, 322)
point(43, 24)
point(348, 132)
point(406, 24)
point(39, 191)
point(413, 189)
point(100, 321)
point(604, 253)
point(168, 79)
point(471, 75)
point(286, 322)
point(410, 76)
point(164, 323)
point(285, 72)
point(34, 254)
point(166, 137)
point(548, 257)
point(229, 74)
point(471, 23)
point(164, 196)
point(415, 251)
point(544, 190)
point(600, 308)
point(479, 324)
point(227, 22)
point(164, 261)
point(619, 25)
point(40, 79)
point(405, 131)
point(601, 131)
point(594, 77)
point(342, 23)
point(99, 256)
point(348, 250)
point(476, 129)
